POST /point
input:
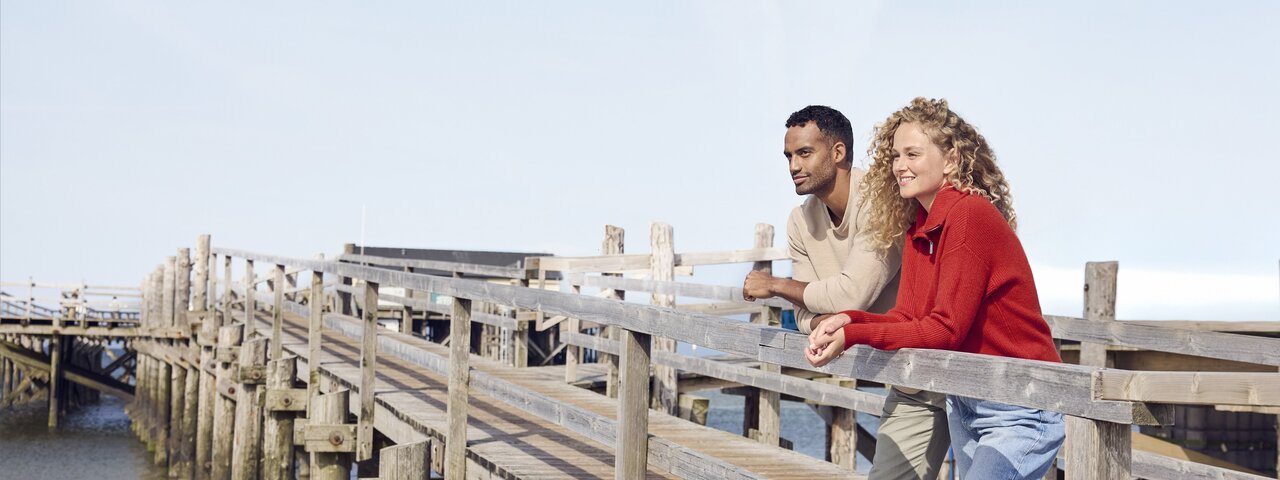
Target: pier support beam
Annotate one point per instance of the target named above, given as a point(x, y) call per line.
point(330, 409)
point(55, 380)
point(224, 412)
point(632, 451)
point(246, 453)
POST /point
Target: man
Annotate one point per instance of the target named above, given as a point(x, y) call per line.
point(835, 269)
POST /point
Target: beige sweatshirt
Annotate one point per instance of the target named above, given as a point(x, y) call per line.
point(843, 271)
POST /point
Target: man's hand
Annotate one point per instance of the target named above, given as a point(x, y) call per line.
point(826, 343)
point(757, 286)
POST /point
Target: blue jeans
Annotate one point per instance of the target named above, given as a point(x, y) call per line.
point(997, 441)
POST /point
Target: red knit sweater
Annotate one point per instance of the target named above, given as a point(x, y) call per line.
point(966, 286)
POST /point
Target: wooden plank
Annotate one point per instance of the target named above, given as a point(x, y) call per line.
point(662, 268)
point(246, 454)
point(277, 433)
point(1225, 346)
point(368, 361)
point(456, 267)
point(725, 294)
point(632, 452)
point(1046, 385)
point(455, 449)
point(1212, 388)
point(628, 263)
point(331, 409)
point(411, 461)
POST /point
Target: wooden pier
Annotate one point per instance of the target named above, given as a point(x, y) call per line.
point(234, 371)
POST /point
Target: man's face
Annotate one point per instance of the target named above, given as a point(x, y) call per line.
point(812, 159)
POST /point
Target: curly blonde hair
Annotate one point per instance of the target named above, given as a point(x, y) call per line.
point(976, 171)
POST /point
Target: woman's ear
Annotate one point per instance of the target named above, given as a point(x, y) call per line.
point(953, 161)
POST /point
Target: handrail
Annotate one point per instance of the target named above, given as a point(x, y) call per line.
point(463, 268)
point(1064, 388)
point(632, 262)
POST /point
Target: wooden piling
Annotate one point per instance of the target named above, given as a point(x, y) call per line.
point(55, 380)
point(1095, 448)
point(250, 302)
point(330, 409)
point(208, 382)
point(182, 290)
point(410, 461)
point(455, 449)
point(186, 444)
point(224, 418)
point(662, 269)
point(246, 454)
point(177, 407)
point(277, 433)
point(160, 412)
point(277, 314)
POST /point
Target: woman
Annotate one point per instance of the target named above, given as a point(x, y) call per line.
point(966, 284)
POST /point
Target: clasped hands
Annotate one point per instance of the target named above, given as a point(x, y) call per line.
point(826, 342)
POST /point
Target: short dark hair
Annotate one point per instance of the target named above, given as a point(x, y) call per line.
point(830, 121)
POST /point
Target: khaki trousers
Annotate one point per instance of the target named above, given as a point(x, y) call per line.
point(913, 438)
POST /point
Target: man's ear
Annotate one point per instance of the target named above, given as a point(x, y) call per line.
point(839, 153)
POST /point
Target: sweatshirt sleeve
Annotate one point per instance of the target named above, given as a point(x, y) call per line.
point(801, 267)
point(862, 277)
point(962, 281)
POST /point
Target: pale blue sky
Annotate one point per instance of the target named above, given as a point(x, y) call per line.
point(1141, 131)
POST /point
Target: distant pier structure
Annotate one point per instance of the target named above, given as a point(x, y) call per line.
point(407, 363)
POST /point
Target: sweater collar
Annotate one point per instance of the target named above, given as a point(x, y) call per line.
point(930, 221)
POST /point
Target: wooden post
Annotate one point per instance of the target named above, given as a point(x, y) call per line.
point(177, 406)
point(224, 413)
point(572, 353)
point(277, 435)
point(182, 290)
point(55, 380)
point(200, 292)
point(766, 403)
point(186, 441)
point(139, 418)
point(368, 359)
point(314, 331)
point(1098, 449)
point(455, 447)
point(411, 461)
point(662, 264)
point(613, 244)
point(208, 382)
point(250, 302)
point(330, 409)
point(246, 453)
point(1099, 306)
point(631, 454)
point(160, 425)
point(167, 290)
point(226, 291)
point(277, 314)
point(344, 298)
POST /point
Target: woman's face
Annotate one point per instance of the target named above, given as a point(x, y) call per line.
point(919, 166)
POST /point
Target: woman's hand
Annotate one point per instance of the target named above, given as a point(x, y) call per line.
point(825, 344)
